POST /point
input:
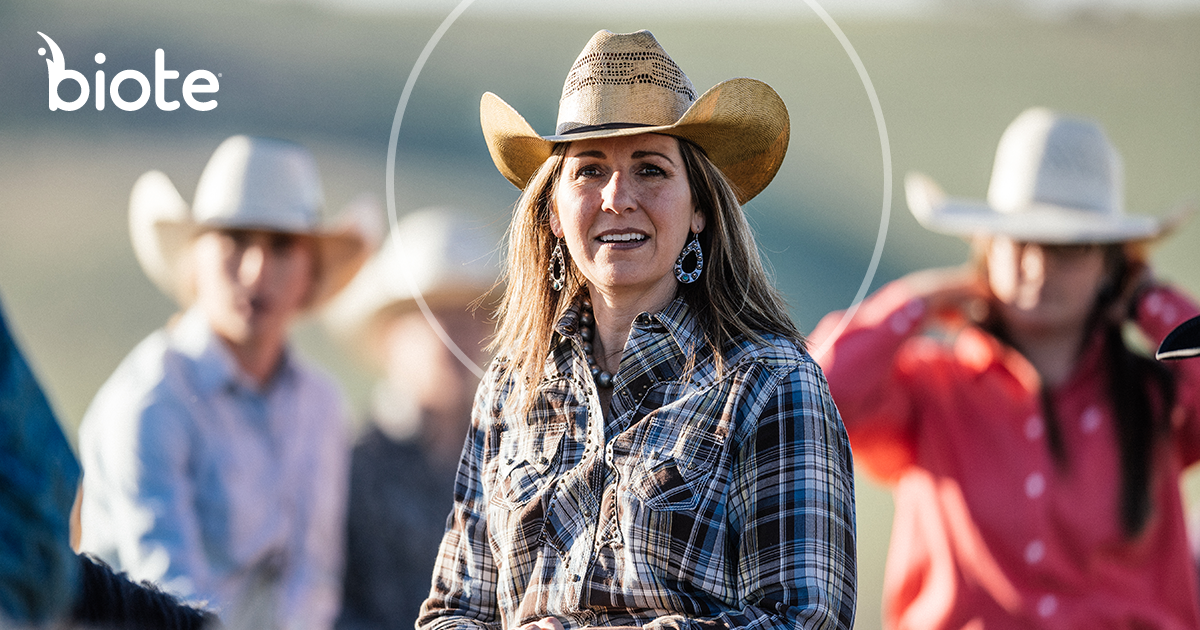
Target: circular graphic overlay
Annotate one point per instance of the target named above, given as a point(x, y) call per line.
point(885, 149)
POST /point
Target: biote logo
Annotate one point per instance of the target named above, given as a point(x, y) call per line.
point(196, 82)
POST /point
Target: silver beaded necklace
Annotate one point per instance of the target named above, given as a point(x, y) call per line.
point(587, 330)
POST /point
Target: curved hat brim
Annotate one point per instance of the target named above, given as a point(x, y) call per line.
point(1040, 223)
point(1181, 343)
point(161, 229)
point(741, 124)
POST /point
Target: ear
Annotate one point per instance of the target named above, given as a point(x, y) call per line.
point(698, 221)
point(555, 224)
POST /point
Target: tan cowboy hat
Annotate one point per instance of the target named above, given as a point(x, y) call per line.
point(1056, 179)
point(441, 255)
point(626, 84)
point(248, 183)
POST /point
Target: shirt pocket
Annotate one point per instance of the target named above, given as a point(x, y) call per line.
point(528, 458)
point(677, 465)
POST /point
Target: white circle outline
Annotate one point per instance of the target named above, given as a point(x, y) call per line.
point(877, 110)
point(886, 150)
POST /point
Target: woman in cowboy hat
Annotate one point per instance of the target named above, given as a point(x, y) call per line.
point(214, 458)
point(652, 446)
point(409, 312)
point(1035, 458)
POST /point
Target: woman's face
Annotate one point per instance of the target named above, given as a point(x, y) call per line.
point(624, 207)
point(1043, 288)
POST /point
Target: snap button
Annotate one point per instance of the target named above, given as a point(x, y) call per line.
point(1047, 605)
point(1034, 428)
point(1035, 551)
point(1035, 485)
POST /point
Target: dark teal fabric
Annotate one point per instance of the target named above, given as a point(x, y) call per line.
point(38, 477)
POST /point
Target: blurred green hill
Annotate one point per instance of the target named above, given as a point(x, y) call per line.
point(947, 88)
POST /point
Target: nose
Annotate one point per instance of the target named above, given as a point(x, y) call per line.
point(1033, 262)
point(617, 195)
point(252, 266)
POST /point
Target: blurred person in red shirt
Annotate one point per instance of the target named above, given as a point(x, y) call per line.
point(1035, 457)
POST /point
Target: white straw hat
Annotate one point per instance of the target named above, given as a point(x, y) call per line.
point(626, 84)
point(248, 183)
point(440, 254)
point(1056, 179)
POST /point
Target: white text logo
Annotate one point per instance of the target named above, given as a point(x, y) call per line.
point(196, 82)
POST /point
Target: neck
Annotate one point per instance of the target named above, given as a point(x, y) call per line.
point(1053, 353)
point(258, 360)
point(614, 317)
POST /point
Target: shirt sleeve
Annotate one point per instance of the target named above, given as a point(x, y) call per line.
point(795, 517)
point(313, 589)
point(863, 366)
point(791, 503)
point(1158, 312)
point(136, 446)
point(463, 593)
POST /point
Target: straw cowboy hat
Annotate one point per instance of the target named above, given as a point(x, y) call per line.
point(248, 183)
point(1181, 343)
point(626, 84)
point(439, 255)
point(1056, 179)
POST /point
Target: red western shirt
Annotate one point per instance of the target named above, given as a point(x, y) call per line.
point(989, 532)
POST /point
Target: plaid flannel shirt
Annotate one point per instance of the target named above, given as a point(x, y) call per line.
point(706, 501)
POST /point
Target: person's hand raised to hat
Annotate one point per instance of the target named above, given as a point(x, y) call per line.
point(952, 295)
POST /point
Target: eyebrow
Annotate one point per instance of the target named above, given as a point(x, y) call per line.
point(637, 155)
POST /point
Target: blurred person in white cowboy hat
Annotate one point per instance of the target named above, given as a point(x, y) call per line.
point(410, 314)
point(215, 459)
point(652, 445)
point(1035, 457)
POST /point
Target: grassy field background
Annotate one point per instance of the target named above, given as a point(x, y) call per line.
point(947, 86)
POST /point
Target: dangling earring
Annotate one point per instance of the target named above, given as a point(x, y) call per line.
point(559, 280)
point(693, 247)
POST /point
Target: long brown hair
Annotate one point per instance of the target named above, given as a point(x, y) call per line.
point(734, 298)
point(1140, 389)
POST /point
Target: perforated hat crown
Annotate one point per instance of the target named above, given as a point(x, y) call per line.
point(623, 80)
point(626, 84)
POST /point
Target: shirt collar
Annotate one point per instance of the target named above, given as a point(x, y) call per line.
point(683, 336)
point(979, 350)
point(681, 323)
point(675, 319)
point(215, 366)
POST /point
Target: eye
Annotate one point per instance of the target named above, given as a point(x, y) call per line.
point(650, 169)
point(236, 239)
point(282, 244)
point(587, 171)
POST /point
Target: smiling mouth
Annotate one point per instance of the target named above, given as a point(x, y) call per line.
point(622, 238)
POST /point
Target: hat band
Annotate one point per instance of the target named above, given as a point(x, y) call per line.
point(604, 127)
